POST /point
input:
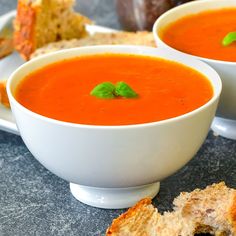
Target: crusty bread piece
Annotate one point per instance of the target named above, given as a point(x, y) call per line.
point(6, 46)
point(212, 210)
point(138, 38)
point(6, 41)
point(144, 220)
point(3, 94)
point(39, 22)
point(138, 220)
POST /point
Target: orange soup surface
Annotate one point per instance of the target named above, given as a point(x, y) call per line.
point(202, 34)
point(165, 89)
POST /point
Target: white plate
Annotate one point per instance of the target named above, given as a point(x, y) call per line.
point(10, 63)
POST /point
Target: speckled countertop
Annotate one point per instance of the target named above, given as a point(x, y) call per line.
point(33, 201)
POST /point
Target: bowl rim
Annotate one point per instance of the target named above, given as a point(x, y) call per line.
point(217, 87)
point(189, 5)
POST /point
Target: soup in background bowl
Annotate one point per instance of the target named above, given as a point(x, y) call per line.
point(112, 165)
point(197, 29)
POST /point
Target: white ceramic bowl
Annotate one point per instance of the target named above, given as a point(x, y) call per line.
point(225, 123)
point(113, 166)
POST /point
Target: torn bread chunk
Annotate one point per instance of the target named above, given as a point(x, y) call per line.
point(6, 47)
point(138, 220)
point(39, 22)
point(3, 94)
point(144, 220)
point(139, 38)
point(211, 210)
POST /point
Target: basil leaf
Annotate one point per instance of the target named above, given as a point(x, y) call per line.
point(229, 38)
point(104, 90)
point(124, 90)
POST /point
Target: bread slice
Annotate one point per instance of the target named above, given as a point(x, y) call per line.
point(144, 220)
point(212, 210)
point(138, 38)
point(138, 220)
point(39, 22)
point(6, 47)
point(6, 39)
point(3, 94)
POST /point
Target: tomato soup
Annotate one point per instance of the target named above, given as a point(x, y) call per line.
point(202, 34)
point(165, 89)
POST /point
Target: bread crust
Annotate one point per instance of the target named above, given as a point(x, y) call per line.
point(232, 214)
point(40, 22)
point(139, 38)
point(6, 47)
point(24, 29)
point(211, 210)
point(3, 94)
point(116, 224)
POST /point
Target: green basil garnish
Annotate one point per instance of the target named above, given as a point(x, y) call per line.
point(229, 38)
point(104, 90)
point(107, 90)
point(124, 90)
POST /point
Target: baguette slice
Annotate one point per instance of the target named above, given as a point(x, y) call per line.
point(138, 38)
point(39, 22)
point(212, 210)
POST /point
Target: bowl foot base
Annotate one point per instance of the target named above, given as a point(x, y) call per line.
point(224, 127)
point(113, 198)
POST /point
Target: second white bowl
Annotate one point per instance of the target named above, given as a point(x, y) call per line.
point(225, 123)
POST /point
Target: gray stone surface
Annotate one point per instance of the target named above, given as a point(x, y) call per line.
point(33, 201)
point(7, 5)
